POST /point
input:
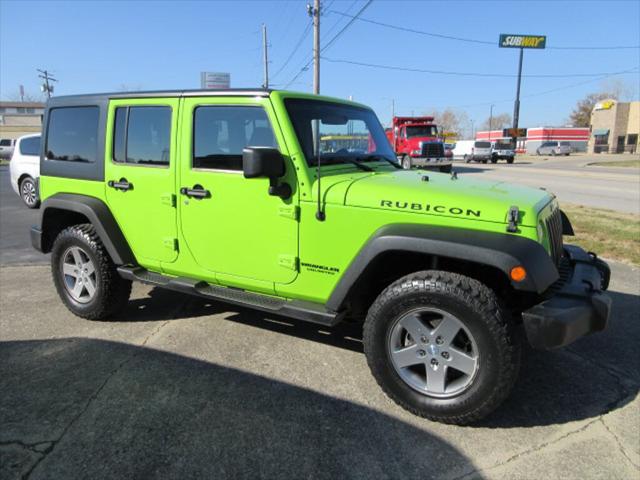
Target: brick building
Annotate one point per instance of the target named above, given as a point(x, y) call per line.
point(615, 127)
point(20, 118)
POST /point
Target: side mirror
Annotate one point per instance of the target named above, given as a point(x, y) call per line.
point(266, 162)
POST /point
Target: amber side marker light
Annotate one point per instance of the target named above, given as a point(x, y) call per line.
point(518, 273)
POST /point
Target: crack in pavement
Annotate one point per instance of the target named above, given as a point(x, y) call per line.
point(624, 394)
point(619, 443)
point(93, 397)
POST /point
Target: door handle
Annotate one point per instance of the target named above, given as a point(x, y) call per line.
point(198, 191)
point(122, 184)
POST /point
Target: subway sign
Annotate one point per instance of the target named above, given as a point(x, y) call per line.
point(509, 40)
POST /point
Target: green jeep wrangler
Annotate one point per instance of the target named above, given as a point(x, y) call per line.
point(294, 204)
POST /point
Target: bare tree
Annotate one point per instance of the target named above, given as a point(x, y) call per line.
point(581, 115)
point(28, 97)
point(618, 89)
point(497, 122)
point(451, 120)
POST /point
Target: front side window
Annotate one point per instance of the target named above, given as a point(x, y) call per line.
point(30, 146)
point(338, 133)
point(220, 133)
point(5, 142)
point(142, 135)
point(72, 134)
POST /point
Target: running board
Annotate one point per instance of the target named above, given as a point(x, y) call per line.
point(299, 309)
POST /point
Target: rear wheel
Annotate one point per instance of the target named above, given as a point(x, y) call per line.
point(84, 275)
point(406, 162)
point(510, 160)
point(29, 192)
point(494, 159)
point(440, 346)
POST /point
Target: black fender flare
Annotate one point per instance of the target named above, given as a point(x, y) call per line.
point(98, 214)
point(500, 250)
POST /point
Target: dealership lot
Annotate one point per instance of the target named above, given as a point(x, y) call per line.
point(182, 387)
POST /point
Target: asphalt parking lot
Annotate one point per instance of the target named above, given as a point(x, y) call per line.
point(180, 387)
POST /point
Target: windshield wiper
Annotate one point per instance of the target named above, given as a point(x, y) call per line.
point(380, 157)
point(353, 161)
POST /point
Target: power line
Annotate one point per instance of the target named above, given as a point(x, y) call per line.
point(333, 39)
point(463, 74)
point(305, 32)
point(473, 40)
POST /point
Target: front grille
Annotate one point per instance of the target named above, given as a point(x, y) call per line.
point(432, 150)
point(554, 230)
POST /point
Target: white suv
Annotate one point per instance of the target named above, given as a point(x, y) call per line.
point(25, 169)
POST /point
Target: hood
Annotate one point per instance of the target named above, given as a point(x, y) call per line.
point(466, 197)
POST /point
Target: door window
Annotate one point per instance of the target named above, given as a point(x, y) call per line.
point(142, 135)
point(73, 134)
point(221, 133)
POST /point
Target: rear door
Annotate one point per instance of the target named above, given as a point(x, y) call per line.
point(140, 168)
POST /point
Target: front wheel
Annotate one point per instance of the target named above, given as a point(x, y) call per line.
point(494, 159)
point(406, 162)
point(510, 160)
point(441, 347)
point(466, 159)
point(29, 192)
point(85, 276)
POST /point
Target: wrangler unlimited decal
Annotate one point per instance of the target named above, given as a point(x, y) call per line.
point(426, 207)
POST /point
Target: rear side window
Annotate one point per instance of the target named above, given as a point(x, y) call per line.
point(142, 135)
point(221, 133)
point(564, 144)
point(30, 146)
point(5, 142)
point(483, 145)
point(73, 134)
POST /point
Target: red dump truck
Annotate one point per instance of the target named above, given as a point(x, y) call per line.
point(417, 143)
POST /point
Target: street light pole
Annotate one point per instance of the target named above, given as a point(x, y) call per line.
point(516, 105)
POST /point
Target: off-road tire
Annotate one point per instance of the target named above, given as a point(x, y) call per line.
point(510, 160)
point(478, 308)
point(494, 159)
point(112, 291)
point(29, 193)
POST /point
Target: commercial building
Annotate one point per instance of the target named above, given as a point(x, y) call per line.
point(615, 127)
point(20, 118)
point(577, 137)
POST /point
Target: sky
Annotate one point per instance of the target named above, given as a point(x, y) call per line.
point(147, 45)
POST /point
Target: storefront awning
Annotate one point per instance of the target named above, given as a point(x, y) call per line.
point(600, 131)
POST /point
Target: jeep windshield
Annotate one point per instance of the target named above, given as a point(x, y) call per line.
point(338, 133)
point(421, 131)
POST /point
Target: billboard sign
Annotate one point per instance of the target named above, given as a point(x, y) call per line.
point(514, 132)
point(214, 80)
point(510, 40)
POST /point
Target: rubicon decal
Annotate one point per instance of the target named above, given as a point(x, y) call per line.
point(427, 207)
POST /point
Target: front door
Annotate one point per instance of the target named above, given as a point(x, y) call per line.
point(620, 146)
point(140, 168)
point(230, 224)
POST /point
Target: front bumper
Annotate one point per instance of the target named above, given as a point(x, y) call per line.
point(430, 161)
point(576, 306)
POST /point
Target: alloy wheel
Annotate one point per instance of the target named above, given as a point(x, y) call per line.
point(433, 352)
point(79, 274)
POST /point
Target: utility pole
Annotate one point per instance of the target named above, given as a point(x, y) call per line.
point(314, 13)
point(393, 108)
point(490, 121)
point(265, 58)
point(516, 106)
point(46, 86)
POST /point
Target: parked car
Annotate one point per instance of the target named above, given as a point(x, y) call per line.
point(6, 147)
point(480, 152)
point(501, 150)
point(462, 149)
point(25, 169)
point(554, 148)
